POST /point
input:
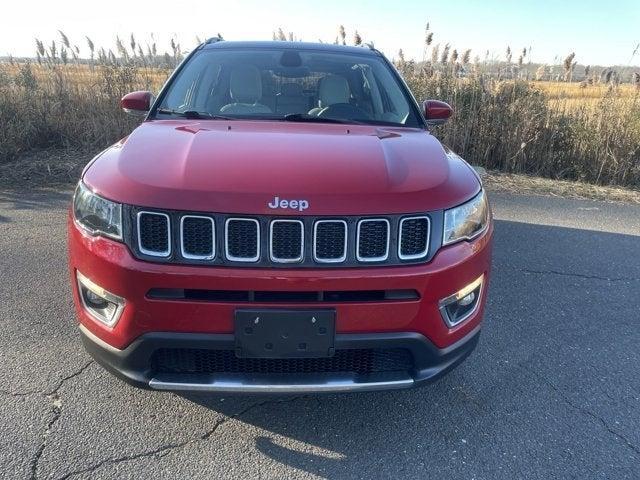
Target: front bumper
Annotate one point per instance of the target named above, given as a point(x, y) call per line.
point(134, 364)
point(149, 324)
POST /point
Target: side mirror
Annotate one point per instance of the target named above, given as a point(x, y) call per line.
point(436, 112)
point(136, 103)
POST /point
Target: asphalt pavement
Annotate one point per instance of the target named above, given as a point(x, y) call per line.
point(552, 391)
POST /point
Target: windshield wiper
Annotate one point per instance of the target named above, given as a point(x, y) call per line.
point(194, 115)
point(305, 117)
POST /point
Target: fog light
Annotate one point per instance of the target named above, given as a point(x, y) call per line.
point(458, 307)
point(102, 305)
point(468, 300)
point(93, 299)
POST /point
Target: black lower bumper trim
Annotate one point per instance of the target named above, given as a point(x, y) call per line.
point(134, 365)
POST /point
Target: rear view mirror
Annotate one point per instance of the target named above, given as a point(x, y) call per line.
point(436, 112)
point(136, 103)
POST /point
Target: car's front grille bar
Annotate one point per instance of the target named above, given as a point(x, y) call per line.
point(330, 241)
point(373, 240)
point(414, 237)
point(286, 241)
point(242, 239)
point(214, 239)
point(154, 234)
point(197, 237)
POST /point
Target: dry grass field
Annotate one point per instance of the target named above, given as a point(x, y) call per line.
point(584, 92)
point(573, 96)
point(81, 75)
point(587, 131)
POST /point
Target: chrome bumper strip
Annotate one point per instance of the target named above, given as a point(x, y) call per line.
point(235, 384)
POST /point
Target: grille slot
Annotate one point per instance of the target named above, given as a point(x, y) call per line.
point(242, 237)
point(330, 241)
point(286, 242)
point(197, 237)
point(358, 361)
point(154, 234)
point(414, 238)
point(373, 240)
point(265, 296)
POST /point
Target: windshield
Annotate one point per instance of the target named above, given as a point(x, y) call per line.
point(289, 84)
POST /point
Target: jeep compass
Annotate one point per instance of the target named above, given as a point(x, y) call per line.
point(281, 221)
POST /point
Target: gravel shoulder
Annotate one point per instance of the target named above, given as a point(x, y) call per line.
point(530, 185)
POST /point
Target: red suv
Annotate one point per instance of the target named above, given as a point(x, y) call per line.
point(282, 221)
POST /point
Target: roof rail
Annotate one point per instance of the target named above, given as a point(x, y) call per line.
point(215, 39)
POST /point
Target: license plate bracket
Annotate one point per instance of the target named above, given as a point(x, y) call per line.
point(275, 333)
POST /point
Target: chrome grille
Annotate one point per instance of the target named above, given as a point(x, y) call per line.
point(414, 237)
point(286, 241)
point(242, 239)
point(373, 240)
point(197, 237)
point(154, 237)
point(330, 241)
point(278, 242)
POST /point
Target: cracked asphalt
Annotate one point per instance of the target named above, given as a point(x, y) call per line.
point(552, 391)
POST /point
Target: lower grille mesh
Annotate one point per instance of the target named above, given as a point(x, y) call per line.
point(361, 361)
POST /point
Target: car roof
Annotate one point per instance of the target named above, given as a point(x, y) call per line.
point(327, 47)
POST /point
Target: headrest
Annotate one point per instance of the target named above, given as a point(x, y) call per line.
point(333, 89)
point(245, 84)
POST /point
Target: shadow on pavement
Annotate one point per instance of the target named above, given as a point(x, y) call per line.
point(35, 199)
point(547, 378)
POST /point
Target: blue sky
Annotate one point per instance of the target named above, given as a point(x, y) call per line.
point(599, 32)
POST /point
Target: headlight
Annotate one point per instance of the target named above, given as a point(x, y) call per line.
point(97, 215)
point(467, 220)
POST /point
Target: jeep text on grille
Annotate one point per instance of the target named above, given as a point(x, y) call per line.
point(300, 205)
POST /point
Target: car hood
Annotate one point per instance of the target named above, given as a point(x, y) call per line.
point(241, 166)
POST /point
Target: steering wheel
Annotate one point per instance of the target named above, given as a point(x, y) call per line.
point(344, 111)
